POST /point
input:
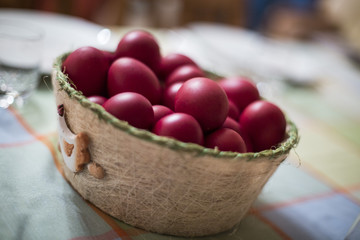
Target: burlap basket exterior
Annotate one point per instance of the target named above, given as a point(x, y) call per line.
point(159, 184)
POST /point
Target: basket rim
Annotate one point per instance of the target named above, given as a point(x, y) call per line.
point(66, 85)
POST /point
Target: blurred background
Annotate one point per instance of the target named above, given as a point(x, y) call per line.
point(277, 18)
point(287, 19)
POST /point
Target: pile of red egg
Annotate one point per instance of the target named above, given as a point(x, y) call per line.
point(171, 96)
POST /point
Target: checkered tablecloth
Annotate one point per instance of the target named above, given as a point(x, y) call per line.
point(314, 194)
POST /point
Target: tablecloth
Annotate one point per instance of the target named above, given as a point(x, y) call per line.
point(314, 194)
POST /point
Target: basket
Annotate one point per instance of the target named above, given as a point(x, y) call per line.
point(156, 183)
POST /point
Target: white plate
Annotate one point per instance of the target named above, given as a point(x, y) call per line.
point(62, 33)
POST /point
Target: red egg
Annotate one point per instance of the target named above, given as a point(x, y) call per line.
point(110, 56)
point(160, 111)
point(131, 75)
point(245, 137)
point(232, 124)
point(87, 68)
point(264, 123)
point(172, 61)
point(240, 90)
point(180, 126)
point(140, 45)
point(169, 94)
point(98, 99)
point(225, 139)
point(233, 111)
point(131, 107)
point(205, 100)
point(183, 73)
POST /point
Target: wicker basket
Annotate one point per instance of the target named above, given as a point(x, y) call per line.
point(159, 184)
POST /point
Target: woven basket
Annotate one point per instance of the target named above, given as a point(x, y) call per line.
point(160, 184)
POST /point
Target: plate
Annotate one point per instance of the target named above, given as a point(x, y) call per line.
point(62, 33)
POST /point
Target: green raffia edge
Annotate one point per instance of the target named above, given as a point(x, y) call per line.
point(67, 86)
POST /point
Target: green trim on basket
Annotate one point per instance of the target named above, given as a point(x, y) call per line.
point(67, 86)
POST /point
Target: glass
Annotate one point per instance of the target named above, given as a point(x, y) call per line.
point(20, 56)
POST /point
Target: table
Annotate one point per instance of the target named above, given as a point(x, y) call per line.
point(314, 194)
